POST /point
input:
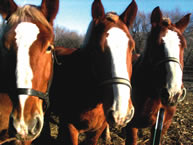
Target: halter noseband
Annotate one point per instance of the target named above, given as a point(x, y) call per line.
point(168, 59)
point(175, 60)
point(116, 81)
point(32, 92)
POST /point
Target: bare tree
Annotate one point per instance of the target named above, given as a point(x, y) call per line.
point(141, 28)
point(67, 38)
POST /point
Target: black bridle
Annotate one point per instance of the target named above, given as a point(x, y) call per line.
point(32, 92)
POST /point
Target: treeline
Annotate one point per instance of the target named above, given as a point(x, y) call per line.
point(66, 38)
point(139, 31)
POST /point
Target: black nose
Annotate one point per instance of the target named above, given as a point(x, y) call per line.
point(110, 118)
point(164, 93)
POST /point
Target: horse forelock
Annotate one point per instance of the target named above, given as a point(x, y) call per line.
point(167, 21)
point(112, 16)
point(28, 13)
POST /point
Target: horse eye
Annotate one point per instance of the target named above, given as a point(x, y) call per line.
point(51, 47)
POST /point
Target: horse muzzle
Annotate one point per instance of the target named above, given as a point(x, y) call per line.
point(118, 121)
point(171, 99)
point(25, 131)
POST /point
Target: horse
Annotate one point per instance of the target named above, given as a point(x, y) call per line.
point(26, 61)
point(92, 84)
point(157, 75)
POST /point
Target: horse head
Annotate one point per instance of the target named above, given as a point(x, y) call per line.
point(165, 51)
point(110, 46)
point(27, 43)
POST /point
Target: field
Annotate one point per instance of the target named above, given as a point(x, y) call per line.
point(180, 131)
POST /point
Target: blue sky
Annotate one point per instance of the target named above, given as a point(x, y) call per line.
point(75, 15)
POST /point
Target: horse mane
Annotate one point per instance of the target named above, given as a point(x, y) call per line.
point(28, 13)
point(166, 21)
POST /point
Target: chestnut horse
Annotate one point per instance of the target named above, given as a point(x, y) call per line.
point(96, 78)
point(26, 67)
point(157, 75)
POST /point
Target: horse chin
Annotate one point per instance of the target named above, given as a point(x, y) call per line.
point(169, 102)
point(121, 122)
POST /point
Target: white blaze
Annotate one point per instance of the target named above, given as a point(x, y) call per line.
point(117, 41)
point(26, 34)
point(172, 49)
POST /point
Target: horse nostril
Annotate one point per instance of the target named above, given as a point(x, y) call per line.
point(183, 95)
point(130, 115)
point(35, 126)
point(11, 131)
point(110, 117)
point(164, 93)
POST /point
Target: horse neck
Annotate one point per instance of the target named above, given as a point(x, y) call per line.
point(142, 71)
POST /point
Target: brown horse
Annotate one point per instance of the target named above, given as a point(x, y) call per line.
point(96, 78)
point(157, 75)
point(26, 67)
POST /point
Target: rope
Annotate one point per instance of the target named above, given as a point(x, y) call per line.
point(8, 140)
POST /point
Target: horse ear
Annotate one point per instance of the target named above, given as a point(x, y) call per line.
point(50, 9)
point(7, 7)
point(183, 23)
point(128, 16)
point(97, 9)
point(156, 16)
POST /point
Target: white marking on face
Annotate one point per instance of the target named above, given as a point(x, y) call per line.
point(26, 34)
point(121, 101)
point(117, 41)
point(172, 49)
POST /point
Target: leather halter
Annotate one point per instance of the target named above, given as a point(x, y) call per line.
point(168, 59)
point(116, 81)
point(32, 92)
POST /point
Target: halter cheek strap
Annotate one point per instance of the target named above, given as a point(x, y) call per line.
point(32, 92)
